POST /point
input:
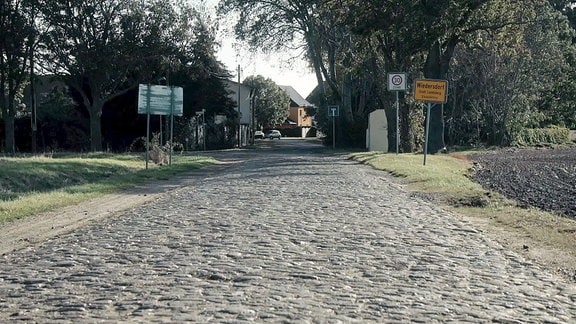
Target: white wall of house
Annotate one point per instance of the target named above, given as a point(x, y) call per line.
point(242, 92)
point(245, 113)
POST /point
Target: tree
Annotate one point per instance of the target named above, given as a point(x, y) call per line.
point(353, 44)
point(329, 46)
point(16, 41)
point(502, 77)
point(59, 121)
point(270, 103)
point(103, 48)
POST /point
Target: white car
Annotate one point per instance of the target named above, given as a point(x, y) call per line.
point(259, 134)
point(274, 134)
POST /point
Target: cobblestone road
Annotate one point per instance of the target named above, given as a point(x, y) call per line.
point(286, 235)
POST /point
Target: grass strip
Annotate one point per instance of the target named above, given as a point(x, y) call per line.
point(447, 177)
point(30, 185)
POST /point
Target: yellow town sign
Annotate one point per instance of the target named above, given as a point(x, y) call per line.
point(431, 90)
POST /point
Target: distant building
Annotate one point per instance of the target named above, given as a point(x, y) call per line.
point(298, 118)
point(241, 92)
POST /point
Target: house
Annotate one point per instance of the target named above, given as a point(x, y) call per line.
point(241, 93)
point(298, 118)
point(298, 123)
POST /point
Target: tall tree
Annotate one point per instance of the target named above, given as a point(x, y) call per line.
point(103, 48)
point(16, 41)
point(356, 42)
point(502, 76)
point(328, 45)
point(270, 103)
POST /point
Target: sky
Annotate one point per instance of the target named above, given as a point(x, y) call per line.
point(285, 68)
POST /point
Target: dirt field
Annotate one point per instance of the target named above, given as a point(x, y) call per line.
point(543, 178)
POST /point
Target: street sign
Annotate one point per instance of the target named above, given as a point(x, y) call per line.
point(333, 111)
point(397, 81)
point(160, 100)
point(431, 90)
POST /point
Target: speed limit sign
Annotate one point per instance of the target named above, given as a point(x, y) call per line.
point(397, 81)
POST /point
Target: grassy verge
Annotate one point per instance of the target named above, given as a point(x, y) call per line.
point(30, 185)
point(541, 236)
point(445, 176)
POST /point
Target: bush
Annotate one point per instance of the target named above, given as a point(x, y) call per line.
point(541, 136)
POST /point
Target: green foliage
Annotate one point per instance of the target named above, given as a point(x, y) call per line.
point(510, 78)
point(270, 103)
point(17, 38)
point(104, 48)
point(558, 105)
point(541, 136)
point(59, 121)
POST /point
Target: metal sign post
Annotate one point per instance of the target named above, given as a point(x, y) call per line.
point(428, 108)
point(396, 83)
point(171, 125)
point(333, 128)
point(397, 123)
point(333, 111)
point(147, 124)
point(159, 100)
point(432, 92)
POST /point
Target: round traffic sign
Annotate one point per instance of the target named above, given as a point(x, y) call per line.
point(397, 79)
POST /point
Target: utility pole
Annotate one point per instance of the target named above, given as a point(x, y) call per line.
point(252, 112)
point(32, 84)
point(33, 101)
point(239, 111)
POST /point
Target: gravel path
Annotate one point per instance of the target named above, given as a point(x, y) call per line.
point(286, 234)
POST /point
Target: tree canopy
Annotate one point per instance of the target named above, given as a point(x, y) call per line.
point(510, 64)
point(270, 103)
point(103, 49)
point(475, 45)
point(16, 41)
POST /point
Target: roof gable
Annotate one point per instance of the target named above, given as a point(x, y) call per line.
point(295, 97)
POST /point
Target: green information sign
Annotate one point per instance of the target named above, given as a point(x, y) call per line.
point(160, 100)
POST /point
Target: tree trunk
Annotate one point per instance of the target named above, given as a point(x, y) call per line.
point(436, 67)
point(9, 113)
point(9, 134)
point(406, 142)
point(96, 126)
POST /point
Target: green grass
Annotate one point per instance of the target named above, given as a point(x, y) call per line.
point(446, 176)
point(30, 185)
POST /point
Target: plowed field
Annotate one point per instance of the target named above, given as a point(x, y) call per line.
point(543, 178)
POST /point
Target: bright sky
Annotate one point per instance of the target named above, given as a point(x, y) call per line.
point(287, 68)
point(282, 68)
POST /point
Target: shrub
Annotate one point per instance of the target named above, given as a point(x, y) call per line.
point(541, 136)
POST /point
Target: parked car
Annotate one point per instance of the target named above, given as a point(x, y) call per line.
point(259, 134)
point(274, 134)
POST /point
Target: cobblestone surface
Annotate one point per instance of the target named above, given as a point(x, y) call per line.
point(289, 235)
